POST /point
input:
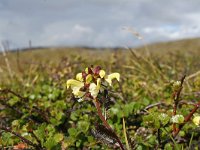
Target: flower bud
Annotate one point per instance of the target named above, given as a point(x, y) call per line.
point(176, 85)
point(84, 74)
point(177, 119)
point(97, 70)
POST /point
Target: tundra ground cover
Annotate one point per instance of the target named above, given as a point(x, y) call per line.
point(153, 106)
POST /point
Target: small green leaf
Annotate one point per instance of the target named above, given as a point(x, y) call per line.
point(78, 143)
point(6, 138)
point(72, 132)
point(50, 143)
point(40, 133)
point(83, 126)
point(90, 139)
point(168, 147)
point(15, 123)
point(58, 137)
point(164, 118)
point(13, 101)
point(74, 116)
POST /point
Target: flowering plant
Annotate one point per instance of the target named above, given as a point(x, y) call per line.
point(91, 82)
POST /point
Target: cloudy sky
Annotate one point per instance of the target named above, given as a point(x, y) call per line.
point(96, 23)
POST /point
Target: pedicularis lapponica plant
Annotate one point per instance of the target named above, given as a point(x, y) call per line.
point(100, 114)
point(92, 84)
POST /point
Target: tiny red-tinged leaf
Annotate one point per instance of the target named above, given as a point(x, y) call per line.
point(20, 146)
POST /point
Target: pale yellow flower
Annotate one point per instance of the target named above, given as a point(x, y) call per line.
point(196, 120)
point(88, 78)
point(94, 88)
point(102, 73)
point(91, 82)
point(112, 76)
point(87, 70)
point(79, 77)
point(76, 86)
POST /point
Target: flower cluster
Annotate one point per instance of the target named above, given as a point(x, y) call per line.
point(91, 82)
point(196, 120)
point(176, 85)
point(177, 119)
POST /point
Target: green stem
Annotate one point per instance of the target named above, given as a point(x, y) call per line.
point(126, 140)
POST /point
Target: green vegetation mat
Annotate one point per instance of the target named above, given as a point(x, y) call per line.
point(153, 106)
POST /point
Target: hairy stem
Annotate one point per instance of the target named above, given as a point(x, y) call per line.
point(105, 123)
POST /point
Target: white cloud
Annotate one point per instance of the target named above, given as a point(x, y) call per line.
point(63, 33)
point(96, 22)
point(173, 32)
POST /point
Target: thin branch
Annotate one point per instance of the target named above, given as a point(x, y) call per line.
point(185, 102)
point(145, 110)
point(193, 75)
point(176, 96)
point(40, 112)
point(19, 112)
point(153, 105)
point(5, 91)
point(159, 137)
point(187, 118)
point(2, 101)
point(21, 137)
